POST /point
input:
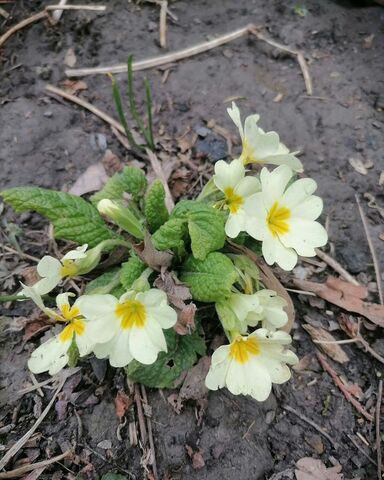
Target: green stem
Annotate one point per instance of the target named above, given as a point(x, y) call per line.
point(148, 95)
point(120, 112)
point(11, 298)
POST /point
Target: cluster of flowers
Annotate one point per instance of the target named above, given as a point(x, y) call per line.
point(273, 209)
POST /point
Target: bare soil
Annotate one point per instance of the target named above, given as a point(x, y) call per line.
point(49, 142)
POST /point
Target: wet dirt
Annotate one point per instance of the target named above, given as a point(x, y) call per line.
point(50, 142)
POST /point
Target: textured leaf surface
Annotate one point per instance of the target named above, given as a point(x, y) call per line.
point(171, 235)
point(210, 280)
point(205, 226)
point(155, 211)
point(131, 271)
point(73, 217)
point(183, 351)
point(105, 283)
point(131, 180)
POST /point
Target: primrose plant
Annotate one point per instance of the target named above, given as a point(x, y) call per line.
point(141, 308)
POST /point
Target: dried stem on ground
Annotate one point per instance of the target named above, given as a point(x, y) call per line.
point(378, 434)
point(313, 424)
point(18, 472)
point(327, 367)
point(150, 432)
point(197, 49)
point(336, 266)
point(163, 24)
point(20, 443)
point(372, 250)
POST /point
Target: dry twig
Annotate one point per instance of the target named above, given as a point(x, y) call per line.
point(336, 266)
point(150, 434)
point(361, 450)
point(313, 424)
point(56, 15)
point(20, 254)
point(24, 23)
point(372, 250)
point(140, 415)
point(378, 435)
point(327, 367)
point(18, 472)
point(91, 8)
point(19, 444)
point(163, 24)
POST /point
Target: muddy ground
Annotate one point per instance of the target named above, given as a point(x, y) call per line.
point(49, 142)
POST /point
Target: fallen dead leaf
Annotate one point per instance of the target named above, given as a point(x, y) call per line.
point(112, 163)
point(333, 350)
point(155, 259)
point(186, 319)
point(373, 204)
point(30, 275)
point(73, 86)
point(360, 166)
point(92, 180)
point(70, 58)
point(122, 403)
point(338, 292)
point(313, 469)
point(348, 325)
point(196, 457)
point(367, 41)
point(176, 291)
point(193, 387)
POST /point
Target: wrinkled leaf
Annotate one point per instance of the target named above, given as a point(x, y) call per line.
point(182, 353)
point(155, 210)
point(73, 218)
point(131, 271)
point(210, 280)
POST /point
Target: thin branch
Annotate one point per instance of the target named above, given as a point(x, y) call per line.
point(18, 472)
point(163, 23)
point(20, 254)
point(150, 434)
point(336, 266)
point(378, 435)
point(361, 450)
point(163, 59)
point(56, 15)
point(313, 424)
point(92, 8)
point(21, 25)
point(327, 367)
point(372, 250)
point(20, 443)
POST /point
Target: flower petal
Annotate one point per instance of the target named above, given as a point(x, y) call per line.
point(145, 343)
point(49, 267)
point(285, 159)
point(76, 254)
point(274, 183)
point(297, 192)
point(235, 224)
point(309, 209)
point(95, 307)
point(120, 355)
point(234, 113)
point(228, 174)
point(248, 186)
point(304, 236)
point(51, 356)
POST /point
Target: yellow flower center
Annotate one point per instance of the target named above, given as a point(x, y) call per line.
point(69, 268)
point(248, 153)
point(242, 348)
point(77, 326)
point(131, 313)
point(233, 200)
point(277, 219)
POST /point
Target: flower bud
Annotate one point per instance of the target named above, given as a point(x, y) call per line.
point(122, 216)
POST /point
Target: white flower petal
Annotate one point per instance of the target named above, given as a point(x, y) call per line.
point(242, 304)
point(309, 209)
point(234, 113)
point(235, 224)
point(216, 377)
point(163, 314)
point(47, 284)
point(274, 183)
point(299, 191)
point(63, 299)
point(145, 343)
point(152, 298)
point(285, 159)
point(49, 267)
point(95, 307)
point(51, 356)
point(248, 186)
point(263, 144)
point(304, 236)
point(120, 354)
point(228, 174)
point(76, 254)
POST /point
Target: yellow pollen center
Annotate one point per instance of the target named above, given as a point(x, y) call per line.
point(131, 313)
point(277, 219)
point(69, 268)
point(242, 348)
point(233, 200)
point(69, 313)
point(77, 326)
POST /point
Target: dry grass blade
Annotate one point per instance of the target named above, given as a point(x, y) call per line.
point(18, 472)
point(327, 367)
point(91, 8)
point(336, 266)
point(56, 15)
point(24, 23)
point(163, 59)
point(163, 24)
point(372, 250)
point(378, 435)
point(19, 444)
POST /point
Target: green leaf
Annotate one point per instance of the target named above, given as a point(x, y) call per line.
point(183, 351)
point(72, 217)
point(171, 235)
point(155, 211)
point(227, 316)
point(131, 180)
point(205, 226)
point(131, 271)
point(210, 280)
point(105, 283)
